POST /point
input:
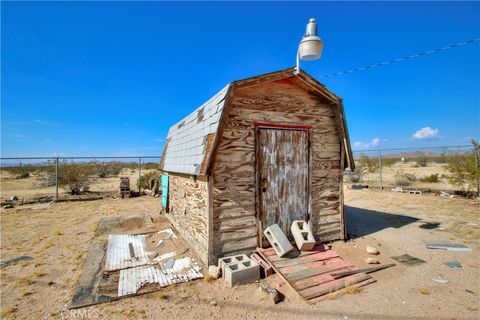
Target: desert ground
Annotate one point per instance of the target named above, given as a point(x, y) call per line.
point(58, 235)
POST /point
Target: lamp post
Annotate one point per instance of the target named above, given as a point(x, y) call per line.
point(310, 48)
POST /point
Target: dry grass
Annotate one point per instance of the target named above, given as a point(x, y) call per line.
point(25, 293)
point(162, 296)
point(472, 309)
point(424, 291)
point(352, 290)
point(26, 281)
point(39, 274)
point(332, 296)
point(208, 278)
point(8, 312)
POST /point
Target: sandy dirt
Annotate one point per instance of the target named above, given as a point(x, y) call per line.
point(33, 186)
point(58, 237)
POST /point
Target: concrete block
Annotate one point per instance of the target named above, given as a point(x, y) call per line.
point(303, 235)
point(222, 262)
point(265, 269)
point(278, 240)
point(242, 272)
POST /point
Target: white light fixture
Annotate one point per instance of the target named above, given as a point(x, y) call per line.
point(310, 48)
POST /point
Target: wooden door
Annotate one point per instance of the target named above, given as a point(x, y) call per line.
point(282, 178)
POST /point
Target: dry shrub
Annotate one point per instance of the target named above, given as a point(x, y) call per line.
point(104, 170)
point(367, 164)
point(433, 178)
point(144, 181)
point(208, 278)
point(424, 291)
point(465, 173)
point(388, 162)
point(355, 176)
point(404, 179)
point(422, 161)
point(74, 177)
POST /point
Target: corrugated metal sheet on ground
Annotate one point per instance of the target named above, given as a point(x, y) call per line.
point(118, 252)
point(131, 280)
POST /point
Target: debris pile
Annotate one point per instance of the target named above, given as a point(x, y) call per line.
point(310, 267)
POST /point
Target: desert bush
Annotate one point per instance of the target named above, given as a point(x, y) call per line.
point(422, 161)
point(47, 178)
point(367, 164)
point(404, 179)
point(354, 176)
point(22, 174)
point(75, 178)
point(464, 172)
point(433, 178)
point(388, 162)
point(144, 181)
point(150, 166)
point(103, 170)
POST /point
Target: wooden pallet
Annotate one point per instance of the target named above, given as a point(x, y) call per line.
point(309, 272)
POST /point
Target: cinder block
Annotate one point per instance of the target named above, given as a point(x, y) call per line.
point(222, 262)
point(303, 235)
point(278, 240)
point(242, 272)
point(265, 269)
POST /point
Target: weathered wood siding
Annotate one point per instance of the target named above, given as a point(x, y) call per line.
point(234, 192)
point(188, 211)
point(282, 162)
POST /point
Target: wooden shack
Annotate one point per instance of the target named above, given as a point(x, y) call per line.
point(264, 150)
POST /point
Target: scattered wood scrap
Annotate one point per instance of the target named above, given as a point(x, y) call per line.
point(366, 270)
point(309, 273)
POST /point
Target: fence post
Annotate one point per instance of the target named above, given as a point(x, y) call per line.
point(56, 178)
point(380, 168)
point(139, 174)
point(475, 151)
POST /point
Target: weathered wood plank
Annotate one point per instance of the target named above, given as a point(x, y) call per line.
point(306, 259)
point(331, 286)
point(188, 211)
point(236, 245)
point(283, 177)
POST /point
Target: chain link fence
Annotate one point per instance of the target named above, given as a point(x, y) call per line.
point(446, 168)
point(46, 179)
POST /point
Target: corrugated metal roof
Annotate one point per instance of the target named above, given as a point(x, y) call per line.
point(187, 139)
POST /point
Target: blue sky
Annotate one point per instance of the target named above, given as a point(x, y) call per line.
point(109, 78)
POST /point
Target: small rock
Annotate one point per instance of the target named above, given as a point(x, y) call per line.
point(272, 292)
point(214, 271)
point(372, 250)
point(213, 303)
point(372, 261)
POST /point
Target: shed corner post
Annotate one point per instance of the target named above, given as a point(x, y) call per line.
point(56, 178)
point(343, 231)
point(139, 174)
point(210, 231)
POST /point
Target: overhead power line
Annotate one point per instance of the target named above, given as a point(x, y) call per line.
point(410, 57)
